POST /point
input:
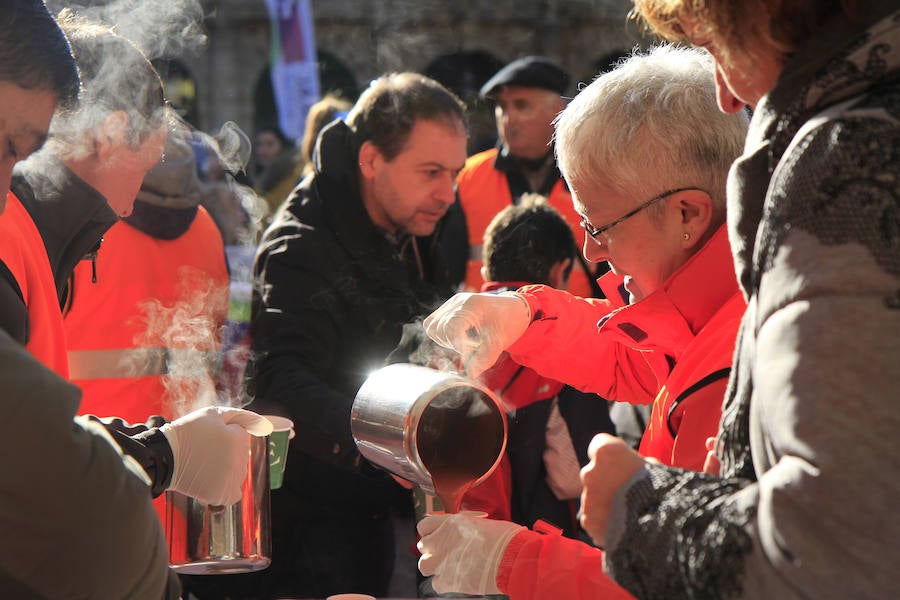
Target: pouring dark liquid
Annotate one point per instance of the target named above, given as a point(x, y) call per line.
point(459, 437)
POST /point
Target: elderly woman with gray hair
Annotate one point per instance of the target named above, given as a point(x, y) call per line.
point(646, 155)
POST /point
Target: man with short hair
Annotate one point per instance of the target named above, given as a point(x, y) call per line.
point(358, 250)
point(528, 95)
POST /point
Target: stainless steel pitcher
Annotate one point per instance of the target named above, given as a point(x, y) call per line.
point(214, 540)
point(423, 424)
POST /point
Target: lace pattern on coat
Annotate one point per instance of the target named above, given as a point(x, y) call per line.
point(673, 504)
point(842, 191)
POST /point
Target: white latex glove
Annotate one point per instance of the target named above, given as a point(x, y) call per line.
point(463, 551)
point(479, 326)
point(210, 449)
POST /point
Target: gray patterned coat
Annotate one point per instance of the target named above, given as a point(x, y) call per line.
point(810, 434)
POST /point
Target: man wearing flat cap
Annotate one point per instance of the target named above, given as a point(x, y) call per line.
point(528, 95)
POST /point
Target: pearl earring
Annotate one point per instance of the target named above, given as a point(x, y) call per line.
point(686, 236)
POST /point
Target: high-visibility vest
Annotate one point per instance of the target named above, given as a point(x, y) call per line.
point(23, 252)
point(484, 191)
point(144, 332)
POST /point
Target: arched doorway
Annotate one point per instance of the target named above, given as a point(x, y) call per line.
point(334, 78)
point(464, 73)
point(180, 88)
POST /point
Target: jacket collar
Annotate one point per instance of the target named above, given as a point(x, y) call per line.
point(71, 215)
point(513, 167)
point(840, 62)
point(668, 319)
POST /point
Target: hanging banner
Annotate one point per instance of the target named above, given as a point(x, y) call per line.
point(295, 75)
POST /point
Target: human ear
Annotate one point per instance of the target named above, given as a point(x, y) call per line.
point(558, 277)
point(368, 155)
point(696, 210)
point(112, 135)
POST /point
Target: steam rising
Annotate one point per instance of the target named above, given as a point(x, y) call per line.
point(233, 146)
point(189, 329)
point(241, 209)
point(417, 348)
point(160, 28)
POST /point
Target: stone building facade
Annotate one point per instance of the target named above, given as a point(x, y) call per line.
point(459, 42)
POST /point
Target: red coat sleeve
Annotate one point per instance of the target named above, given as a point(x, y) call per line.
point(560, 344)
point(537, 566)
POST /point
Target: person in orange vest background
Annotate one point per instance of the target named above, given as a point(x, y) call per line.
point(528, 96)
point(144, 318)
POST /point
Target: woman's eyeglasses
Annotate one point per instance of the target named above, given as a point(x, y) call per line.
point(595, 232)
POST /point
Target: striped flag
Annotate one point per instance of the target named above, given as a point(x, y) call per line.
point(295, 75)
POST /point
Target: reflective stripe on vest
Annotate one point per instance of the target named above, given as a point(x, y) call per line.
point(141, 362)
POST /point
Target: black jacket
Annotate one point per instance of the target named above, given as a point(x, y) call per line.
point(335, 293)
point(585, 416)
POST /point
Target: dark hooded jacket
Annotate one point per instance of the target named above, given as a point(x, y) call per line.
point(335, 293)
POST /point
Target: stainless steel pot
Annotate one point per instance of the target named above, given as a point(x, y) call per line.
point(428, 426)
point(205, 539)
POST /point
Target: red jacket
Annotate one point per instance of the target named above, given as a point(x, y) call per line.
point(691, 322)
point(154, 301)
point(23, 252)
point(483, 192)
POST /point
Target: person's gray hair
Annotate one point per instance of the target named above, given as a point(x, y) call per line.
point(115, 76)
point(651, 125)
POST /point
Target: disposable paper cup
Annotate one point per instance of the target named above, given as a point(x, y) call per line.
point(283, 430)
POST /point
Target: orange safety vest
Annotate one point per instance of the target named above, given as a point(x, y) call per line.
point(144, 334)
point(23, 251)
point(483, 192)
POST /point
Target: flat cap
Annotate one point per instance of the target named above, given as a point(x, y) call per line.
point(529, 71)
